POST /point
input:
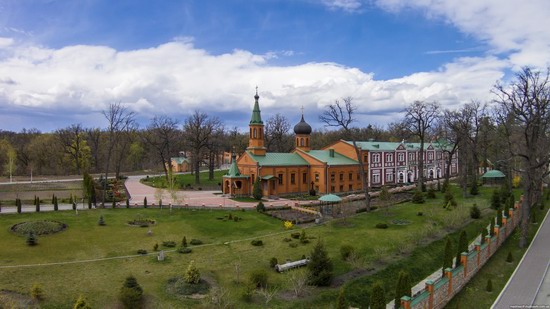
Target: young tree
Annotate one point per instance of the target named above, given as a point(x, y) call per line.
point(378, 297)
point(192, 275)
point(495, 199)
point(483, 234)
point(320, 266)
point(131, 293)
point(403, 288)
point(37, 204)
point(341, 302)
point(81, 303)
point(462, 247)
point(341, 115)
point(31, 239)
point(11, 157)
point(499, 217)
point(55, 203)
point(492, 227)
point(419, 118)
point(257, 189)
point(447, 255)
point(37, 292)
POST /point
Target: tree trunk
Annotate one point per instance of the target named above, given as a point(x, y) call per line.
point(421, 165)
point(197, 164)
point(211, 165)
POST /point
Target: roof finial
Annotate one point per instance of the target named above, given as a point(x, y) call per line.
point(256, 96)
point(302, 111)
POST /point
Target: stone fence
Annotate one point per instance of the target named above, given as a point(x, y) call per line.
point(438, 293)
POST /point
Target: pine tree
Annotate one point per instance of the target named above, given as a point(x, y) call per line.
point(131, 293)
point(260, 207)
point(377, 297)
point(483, 235)
point(403, 288)
point(53, 199)
point(320, 266)
point(462, 247)
point(448, 255)
point(341, 302)
point(184, 242)
point(81, 303)
point(55, 204)
point(257, 190)
point(18, 204)
point(474, 190)
point(89, 203)
point(192, 275)
point(499, 217)
point(127, 203)
point(489, 287)
point(492, 227)
point(101, 221)
point(495, 200)
point(145, 202)
point(509, 258)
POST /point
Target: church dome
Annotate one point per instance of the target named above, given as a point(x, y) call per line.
point(302, 127)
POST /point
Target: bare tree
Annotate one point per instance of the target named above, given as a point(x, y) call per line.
point(199, 130)
point(73, 142)
point(419, 117)
point(524, 110)
point(277, 138)
point(340, 115)
point(163, 136)
point(93, 136)
point(298, 281)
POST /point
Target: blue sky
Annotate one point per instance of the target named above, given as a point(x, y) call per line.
point(62, 62)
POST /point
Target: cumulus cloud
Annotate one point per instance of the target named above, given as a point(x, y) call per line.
point(346, 5)
point(176, 78)
point(512, 27)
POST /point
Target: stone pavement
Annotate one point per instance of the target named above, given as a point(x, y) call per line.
point(529, 285)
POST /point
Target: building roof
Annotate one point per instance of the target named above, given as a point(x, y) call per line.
point(390, 146)
point(338, 159)
point(180, 160)
point(330, 198)
point(302, 127)
point(493, 174)
point(256, 115)
point(278, 159)
point(233, 171)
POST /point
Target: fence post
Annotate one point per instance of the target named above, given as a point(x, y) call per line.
point(478, 249)
point(504, 221)
point(488, 240)
point(430, 289)
point(449, 275)
point(497, 234)
point(511, 215)
point(406, 302)
point(464, 262)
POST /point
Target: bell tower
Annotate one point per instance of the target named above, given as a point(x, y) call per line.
point(302, 130)
point(256, 125)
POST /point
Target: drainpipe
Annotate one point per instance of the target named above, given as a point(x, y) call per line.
point(326, 179)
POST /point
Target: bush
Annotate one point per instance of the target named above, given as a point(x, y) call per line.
point(320, 266)
point(257, 242)
point(381, 226)
point(420, 214)
point(260, 207)
point(247, 293)
point(489, 287)
point(81, 303)
point(101, 221)
point(293, 245)
point(418, 197)
point(303, 238)
point(346, 251)
point(37, 293)
point(184, 250)
point(377, 298)
point(495, 199)
point(475, 212)
point(131, 293)
point(142, 251)
point(257, 190)
point(295, 235)
point(312, 192)
point(145, 202)
point(272, 262)
point(258, 278)
point(445, 186)
point(156, 247)
point(449, 199)
point(192, 275)
point(286, 239)
point(431, 193)
point(196, 242)
point(509, 258)
point(31, 239)
point(169, 244)
point(474, 190)
point(184, 242)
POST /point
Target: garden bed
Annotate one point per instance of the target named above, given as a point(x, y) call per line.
point(39, 227)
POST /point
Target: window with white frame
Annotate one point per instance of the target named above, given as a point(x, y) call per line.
point(411, 156)
point(389, 176)
point(389, 157)
point(376, 178)
point(375, 158)
point(401, 157)
point(430, 155)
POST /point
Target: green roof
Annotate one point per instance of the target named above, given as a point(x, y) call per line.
point(338, 159)
point(278, 159)
point(330, 198)
point(180, 160)
point(256, 115)
point(493, 174)
point(390, 146)
point(233, 171)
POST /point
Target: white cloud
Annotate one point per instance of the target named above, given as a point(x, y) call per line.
point(508, 26)
point(346, 5)
point(175, 78)
point(5, 42)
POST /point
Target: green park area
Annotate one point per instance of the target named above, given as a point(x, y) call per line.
point(187, 181)
point(93, 260)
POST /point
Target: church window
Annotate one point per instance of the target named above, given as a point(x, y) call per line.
point(332, 177)
point(301, 142)
point(292, 178)
point(350, 177)
point(341, 176)
point(280, 179)
point(316, 177)
point(304, 178)
point(255, 133)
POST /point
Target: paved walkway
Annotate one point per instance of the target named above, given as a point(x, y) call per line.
point(529, 285)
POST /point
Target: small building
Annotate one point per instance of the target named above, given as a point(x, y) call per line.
point(493, 177)
point(180, 164)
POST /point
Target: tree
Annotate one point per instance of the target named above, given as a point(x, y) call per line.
point(199, 131)
point(18, 205)
point(419, 118)
point(483, 234)
point(257, 189)
point(260, 207)
point(403, 288)
point(131, 293)
point(499, 217)
point(101, 221)
point(277, 138)
point(378, 297)
point(462, 247)
point(298, 281)
point(320, 266)
point(492, 227)
point(495, 200)
point(341, 302)
point(447, 255)
point(192, 275)
point(37, 293)
point(341, 115)
point(385, 198)
point(184, 242)
point(489, 287)
point(81, 303)
point(524, 112)
point(55, 203)
point(73, 142)
point(163, 137)
point(31, 239)
point(11, 157)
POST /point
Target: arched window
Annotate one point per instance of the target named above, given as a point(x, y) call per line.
point(255, 133)
point(302, 142)
point(260, 133)
point(307, 142)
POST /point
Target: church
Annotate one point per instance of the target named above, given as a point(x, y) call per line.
point(333, 169)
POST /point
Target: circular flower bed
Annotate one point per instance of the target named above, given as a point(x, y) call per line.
point(40, 227)
point(400, 222)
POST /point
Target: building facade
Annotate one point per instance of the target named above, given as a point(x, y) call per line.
point(333, 169)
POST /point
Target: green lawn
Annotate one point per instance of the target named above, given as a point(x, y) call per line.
point(100, 281)
point(187, 181)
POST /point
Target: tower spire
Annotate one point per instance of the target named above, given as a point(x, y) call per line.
point(256, 114)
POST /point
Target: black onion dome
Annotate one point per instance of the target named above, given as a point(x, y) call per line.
point(302, 127)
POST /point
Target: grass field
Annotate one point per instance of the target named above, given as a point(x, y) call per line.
point(100, 281)
point(27, 192)
point(187, 181)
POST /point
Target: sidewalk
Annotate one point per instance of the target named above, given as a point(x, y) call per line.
point(529, 285)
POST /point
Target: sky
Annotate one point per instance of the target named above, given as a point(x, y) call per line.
point(63, 62)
